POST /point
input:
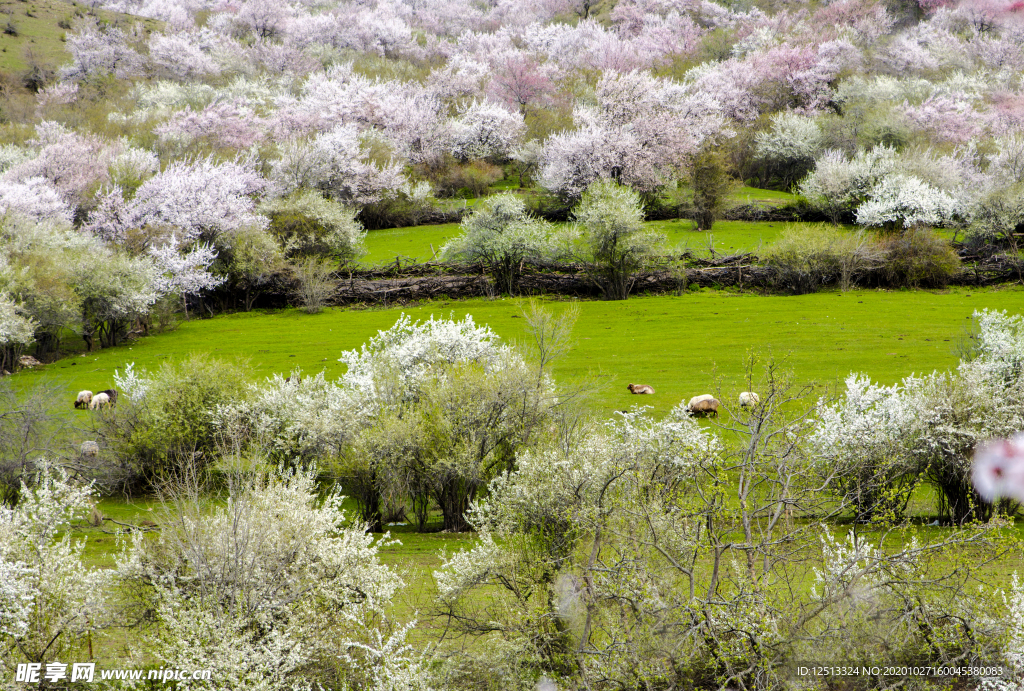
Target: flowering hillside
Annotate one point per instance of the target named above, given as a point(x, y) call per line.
point(210, 145)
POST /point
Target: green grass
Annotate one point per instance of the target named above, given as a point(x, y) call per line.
point(420, 243)
point(727, 237)
point(747, 195)
point(39, 31)
point(680, 345)
point(414, 243)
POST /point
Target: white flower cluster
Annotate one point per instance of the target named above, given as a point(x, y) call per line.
point(132, 384)
point(793, 137)
point(906, 200)
point(181, 272)
point(845, 565)
point(260, 587)
point(934, 421)
point(305, 417)
point(48, 598)
point(486, 130)
point(554, 491)
point(870, 421)
point(410, 350)
point(15, 328)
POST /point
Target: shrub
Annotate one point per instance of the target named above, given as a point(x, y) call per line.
point(252, 256)
point(789, 148)
point(919, 257)
point(33, 422)
point(466, 180)
point(163, 420)
point(307, 225)
point(412, 205)
point(997, 218)
point(315, 283)
point(611, 241)
point(50, 600)
point(273, 589)
point(709, 178)
point(502, 235)
point(806, 259)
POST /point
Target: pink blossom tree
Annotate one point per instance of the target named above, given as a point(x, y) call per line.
point(521, 81)
point(35, 198)
point(643, 127)
point(201, 198)
point(98, 51)
point(73, 163)
point(228, 124)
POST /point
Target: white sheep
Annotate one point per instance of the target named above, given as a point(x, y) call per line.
point(100, 400)
point(84, 397)
point(90, 449)
point(749, 399)
point(698, 399)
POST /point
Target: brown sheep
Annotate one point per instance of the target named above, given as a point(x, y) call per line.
point(704, 407)
point(640, 388)
point(112, 395)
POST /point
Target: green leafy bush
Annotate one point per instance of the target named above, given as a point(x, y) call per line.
point(163, 420)
point(806, 259)
point(919, 258)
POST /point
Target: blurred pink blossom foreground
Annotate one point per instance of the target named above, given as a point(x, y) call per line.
point(999, 468)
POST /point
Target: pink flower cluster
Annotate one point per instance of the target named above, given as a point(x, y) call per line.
point(998, 470)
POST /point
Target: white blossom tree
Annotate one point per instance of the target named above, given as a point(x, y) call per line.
point(335, 163)
point(16, 331)
point(184, 272)
point(501, 234)
point(267, 588)
point(36, 198)
point(49, 599)
point(115, 290)
point(486, 130)
point(609, 238)
point(790, 146)
point(902, 201)
point(201, 198)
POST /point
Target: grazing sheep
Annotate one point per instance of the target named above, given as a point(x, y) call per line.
point(100, 400)
point(704, 407)
point(90, 449)
point(112, 395)
point(83, 399)
point(697, 399)
point(640, 388)
point(749, 399)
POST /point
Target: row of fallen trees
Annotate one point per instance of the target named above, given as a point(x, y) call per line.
point(401, 283)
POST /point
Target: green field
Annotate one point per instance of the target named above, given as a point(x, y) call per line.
point(422, 243)
point(682, 346)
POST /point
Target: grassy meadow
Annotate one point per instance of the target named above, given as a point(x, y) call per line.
point(423, 243)
point(680, 345)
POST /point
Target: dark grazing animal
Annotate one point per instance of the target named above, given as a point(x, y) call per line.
point(704, 407)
